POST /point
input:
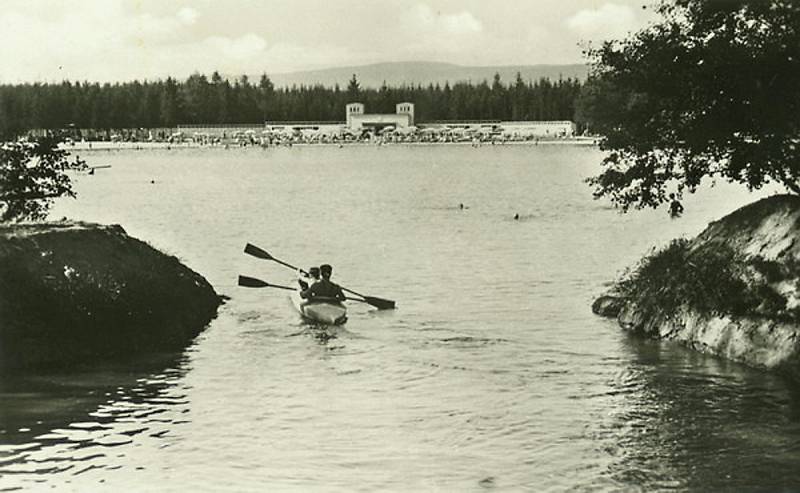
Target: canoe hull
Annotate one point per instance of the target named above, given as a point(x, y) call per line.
point(323, 312)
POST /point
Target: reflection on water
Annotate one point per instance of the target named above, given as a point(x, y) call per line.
point(691, 421)
point(72, 421)
point(492, 373)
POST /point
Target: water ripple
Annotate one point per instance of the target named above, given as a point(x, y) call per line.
point(492, 373)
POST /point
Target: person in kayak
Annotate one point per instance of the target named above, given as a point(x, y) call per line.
point(324, 288)
point(306, 280)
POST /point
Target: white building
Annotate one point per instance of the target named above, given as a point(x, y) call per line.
point(357, 119)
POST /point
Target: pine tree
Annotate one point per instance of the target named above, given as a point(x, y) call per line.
point(353, 89)
point(266, 96)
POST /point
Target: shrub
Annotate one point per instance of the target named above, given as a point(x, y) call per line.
point(712, 280)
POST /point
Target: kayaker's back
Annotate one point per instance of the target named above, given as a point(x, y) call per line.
point(325, 288)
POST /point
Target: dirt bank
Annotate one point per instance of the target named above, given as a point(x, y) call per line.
point(747, 310)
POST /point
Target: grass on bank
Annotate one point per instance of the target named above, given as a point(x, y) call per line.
point(713, 280)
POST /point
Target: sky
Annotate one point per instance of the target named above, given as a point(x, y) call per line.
point(121, 40)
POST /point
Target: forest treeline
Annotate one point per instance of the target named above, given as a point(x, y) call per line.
point(217, 100)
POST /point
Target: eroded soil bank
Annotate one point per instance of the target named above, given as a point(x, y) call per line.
point(749, 313)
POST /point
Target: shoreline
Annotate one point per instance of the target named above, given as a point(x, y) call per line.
point(98, 146)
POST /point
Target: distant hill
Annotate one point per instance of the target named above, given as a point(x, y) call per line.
point(423, 73)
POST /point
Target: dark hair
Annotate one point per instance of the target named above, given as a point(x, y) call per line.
point(325, 269)
point(314, 271)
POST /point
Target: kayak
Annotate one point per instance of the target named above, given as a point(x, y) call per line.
point(325, 311)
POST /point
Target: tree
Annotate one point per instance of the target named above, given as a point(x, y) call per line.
point(386, 99)
point(197, 94)
point(497, 106)
point(518, 97)
point(32, 174)
point(266, 95)
point(353, 88)
point(6, 121)
point(170, 108)
point(708, 91)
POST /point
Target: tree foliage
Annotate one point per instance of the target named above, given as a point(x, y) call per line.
point(218, 100)
point(353, 88)
point(710, 90)
point(32, 174)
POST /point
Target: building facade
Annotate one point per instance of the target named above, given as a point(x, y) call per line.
point(357, 119)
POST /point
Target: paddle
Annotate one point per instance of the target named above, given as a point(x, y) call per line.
point(379, 303)
point(252, 282)
point(253, 250)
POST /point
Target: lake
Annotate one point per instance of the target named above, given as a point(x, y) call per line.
point(491, 374)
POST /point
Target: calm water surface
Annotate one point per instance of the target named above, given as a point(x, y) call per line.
point(492, 374)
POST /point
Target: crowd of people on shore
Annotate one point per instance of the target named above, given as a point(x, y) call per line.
point(338, 136)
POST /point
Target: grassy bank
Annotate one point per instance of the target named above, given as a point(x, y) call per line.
point(712, 280)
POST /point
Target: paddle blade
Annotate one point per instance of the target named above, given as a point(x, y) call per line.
point(380, 303)
point(252, 282)
point(253, 250)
